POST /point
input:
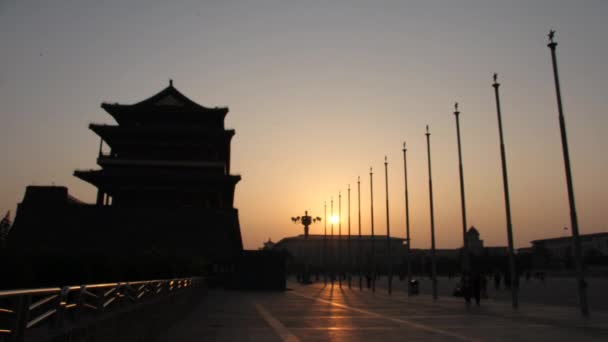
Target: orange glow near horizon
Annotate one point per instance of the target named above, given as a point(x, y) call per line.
point(334, 219)
point(320, 92)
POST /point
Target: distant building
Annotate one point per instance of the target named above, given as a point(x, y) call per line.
point(525, 251)
point(474, 244)
point(448, 253)
point(561, 247)
point(337, 252)
point(268, 245)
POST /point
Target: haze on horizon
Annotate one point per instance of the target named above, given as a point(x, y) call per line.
point(318, 92)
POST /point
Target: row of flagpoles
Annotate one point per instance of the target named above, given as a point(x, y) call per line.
point(465, 260)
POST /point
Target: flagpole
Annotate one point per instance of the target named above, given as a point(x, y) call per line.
point(505, 180)
point(465, 248)
point(325, 243)
point(578, 258)
point(407, 222)
point(349, 263)
point(359, 226)
point(331, 242)
point(433, 254)
point(340, 263)
point(371, 188)
point(388, 232)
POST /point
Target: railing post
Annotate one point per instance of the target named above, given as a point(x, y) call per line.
point(80, 302)
point(62, 299)
point(117, 294)
point(101, 298)
point(22, 311)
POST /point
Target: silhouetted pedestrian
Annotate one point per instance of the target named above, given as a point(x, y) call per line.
point(467, 288)
point(476, 287)
point(507, 280)
point(497, 280)
point(484, 286)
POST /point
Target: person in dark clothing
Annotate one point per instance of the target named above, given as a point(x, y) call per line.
point(508, 280)
point(497, 280)
point(476, 287)
point(467, 288)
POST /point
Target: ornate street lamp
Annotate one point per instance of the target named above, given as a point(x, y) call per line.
point(306, 221)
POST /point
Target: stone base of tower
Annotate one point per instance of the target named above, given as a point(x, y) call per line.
point(110, 243)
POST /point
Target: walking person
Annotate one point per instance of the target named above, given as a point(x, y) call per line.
point(467, 288)
point(507, 280)
point(476, 287)
point(484, 286)
point(497, 280)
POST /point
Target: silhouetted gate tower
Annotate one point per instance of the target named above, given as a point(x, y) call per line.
point(170, 153)
point(164, 188)
point(166, 151)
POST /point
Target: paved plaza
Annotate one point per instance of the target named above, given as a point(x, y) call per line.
point(555, 291)
point(321, 312)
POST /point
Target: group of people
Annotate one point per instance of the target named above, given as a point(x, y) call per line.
point(474, 285)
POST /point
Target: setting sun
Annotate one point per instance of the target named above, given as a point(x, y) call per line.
point(334, 219)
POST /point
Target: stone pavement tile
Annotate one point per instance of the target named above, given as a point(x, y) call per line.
point(490, 322)
point(317, 313)
point(294, 322)
point(365, 335)
point(222, 316)
point(540, 313)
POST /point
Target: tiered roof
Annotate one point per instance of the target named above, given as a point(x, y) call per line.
point(112, 134)
point(168, 138)
point(168, 100)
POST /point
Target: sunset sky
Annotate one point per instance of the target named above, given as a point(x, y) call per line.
point(318, 92)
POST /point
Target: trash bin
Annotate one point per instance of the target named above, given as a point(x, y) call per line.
point(413, 287)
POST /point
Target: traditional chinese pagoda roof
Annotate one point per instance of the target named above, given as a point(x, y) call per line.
point(160, 177)
point(169, 105)
point(112, 134)
point(473, 231)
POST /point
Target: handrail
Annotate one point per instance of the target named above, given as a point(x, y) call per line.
point(33, 292)
point(25, 310)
